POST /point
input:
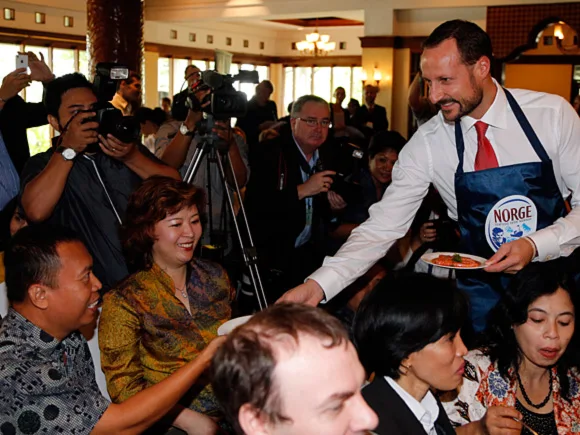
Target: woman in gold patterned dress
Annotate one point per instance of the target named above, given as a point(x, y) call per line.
point(165, 313)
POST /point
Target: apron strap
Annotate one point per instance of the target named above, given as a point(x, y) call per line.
point(526, 126)
point(522, 120)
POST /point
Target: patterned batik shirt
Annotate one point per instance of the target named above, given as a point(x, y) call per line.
point(146, 333)
point(483, 387)
point(46, 385)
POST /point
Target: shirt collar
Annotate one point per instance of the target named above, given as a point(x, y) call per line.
point(120, 101)
point(314, 158)
point(496, 115)
point(426, 412)
point(23, 332)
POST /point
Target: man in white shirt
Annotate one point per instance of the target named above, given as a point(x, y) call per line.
point(510, 174)
point(128, 96)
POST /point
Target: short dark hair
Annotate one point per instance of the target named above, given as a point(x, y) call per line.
point(243, 367)
point(385, 140)
point(268, 84)
point(472, 41)
point(532, 282)
point(166, 100)
point(301, 101)
point(402, 315)
point(157, 116)
point(32, 258)
point(59, 86)
point(133, 77)
point(156, 198)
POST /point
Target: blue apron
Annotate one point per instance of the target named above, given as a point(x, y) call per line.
point(498, 205)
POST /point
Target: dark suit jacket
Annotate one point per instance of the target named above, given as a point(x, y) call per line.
point(16, 116)
point(395, 417)
point(276, 215)
point(378, 117)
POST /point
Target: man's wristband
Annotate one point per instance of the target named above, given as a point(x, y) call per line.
point(535, 248)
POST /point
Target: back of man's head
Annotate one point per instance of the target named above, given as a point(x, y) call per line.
point(243, 368)
point(32, 258)
point(56, 89)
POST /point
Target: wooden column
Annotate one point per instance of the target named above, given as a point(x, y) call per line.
point(115, 33)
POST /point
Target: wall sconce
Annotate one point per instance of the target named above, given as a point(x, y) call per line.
point(571, 45)
point(364, 77)
point(558, 33)
point(377, 77)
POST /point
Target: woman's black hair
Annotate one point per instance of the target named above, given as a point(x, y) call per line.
point(530, 283)
point(157, 116)
point(402, 315)
point(386, 140)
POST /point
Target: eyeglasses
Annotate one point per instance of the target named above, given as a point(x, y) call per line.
point(313, 122)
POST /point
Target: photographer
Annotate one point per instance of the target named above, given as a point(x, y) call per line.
point(176, 143)
point(286, 198)
point(81, 185)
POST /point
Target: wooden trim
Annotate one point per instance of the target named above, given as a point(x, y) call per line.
point(320, 61)
point(411, 42)
point(47, 39)
point(548, 60)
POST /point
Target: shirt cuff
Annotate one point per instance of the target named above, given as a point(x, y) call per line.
point(546, 244)
point(328, 280)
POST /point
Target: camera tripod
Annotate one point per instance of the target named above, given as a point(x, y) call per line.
point(215, 150)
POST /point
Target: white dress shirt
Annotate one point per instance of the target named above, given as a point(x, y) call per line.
point(430, 156)
point(426, 411)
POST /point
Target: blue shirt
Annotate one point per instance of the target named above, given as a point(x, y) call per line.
point(304, 236)
point(9, 179)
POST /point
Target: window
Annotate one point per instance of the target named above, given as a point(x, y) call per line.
point(9, 14)
point(40, 18)
point(210, 39)
point(84, 64)
point(63, 61)
point(201, 64)
point(321, 81)
point(163, 80)
point(173, 34)
point(263, 72)
point(228, 41)
point(262, 45)
point(179, 66)
point(246, 43)
point(38, 137)
point(68, 21)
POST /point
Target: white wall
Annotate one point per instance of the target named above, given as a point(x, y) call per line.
point(54, 18)
point(421, 22)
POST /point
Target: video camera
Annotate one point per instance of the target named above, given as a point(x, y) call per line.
point(111, 120)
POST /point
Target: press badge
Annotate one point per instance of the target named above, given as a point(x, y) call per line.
point(509, 219)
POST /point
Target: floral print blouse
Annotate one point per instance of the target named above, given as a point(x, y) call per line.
point(483, 387)
point(146, 333)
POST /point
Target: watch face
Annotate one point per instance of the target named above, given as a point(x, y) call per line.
point(69, 154)
point(183, 129)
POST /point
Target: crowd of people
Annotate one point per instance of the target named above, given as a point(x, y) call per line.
point(120, 260)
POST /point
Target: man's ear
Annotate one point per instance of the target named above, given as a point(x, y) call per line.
point(483, 67)
point(38, 295)
point(252, 421)
point(54, 123)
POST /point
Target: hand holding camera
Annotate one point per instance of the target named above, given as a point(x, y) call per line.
point(113, 147)
point(13, 83)
point(80, 133)
point(317, 183)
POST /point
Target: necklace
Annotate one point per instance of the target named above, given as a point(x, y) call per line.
point(182, 291)
point(527, 399)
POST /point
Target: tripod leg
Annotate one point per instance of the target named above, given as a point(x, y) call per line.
point(250, 256)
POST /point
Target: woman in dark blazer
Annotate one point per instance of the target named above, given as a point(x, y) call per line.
point(407, 333)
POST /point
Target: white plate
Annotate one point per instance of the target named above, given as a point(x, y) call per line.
point(230, 325)
point(428, 258)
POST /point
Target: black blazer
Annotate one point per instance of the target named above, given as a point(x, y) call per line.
point(16, 116)
point(378, 117)
point(395, 417)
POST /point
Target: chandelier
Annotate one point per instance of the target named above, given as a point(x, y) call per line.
point(316, 44)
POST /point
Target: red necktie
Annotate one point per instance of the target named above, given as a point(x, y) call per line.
point(485, 157)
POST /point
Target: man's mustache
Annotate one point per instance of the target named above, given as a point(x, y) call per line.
point(446, 101)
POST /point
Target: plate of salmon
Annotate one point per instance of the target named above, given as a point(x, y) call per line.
point(453, 260)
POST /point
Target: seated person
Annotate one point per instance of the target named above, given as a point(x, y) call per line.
point(527, 368)
point(291, 370)
point(84, 180)
point(150, 120)
point(47, 379)
point(407, 332)
point(168, 311)
point(11, 220)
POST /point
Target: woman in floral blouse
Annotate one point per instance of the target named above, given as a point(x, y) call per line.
point(528, 370)
point(167, 312)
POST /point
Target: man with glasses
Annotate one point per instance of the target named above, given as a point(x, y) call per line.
point(287, 200)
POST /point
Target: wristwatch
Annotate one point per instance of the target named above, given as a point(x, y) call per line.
point(185, 131)
point(67, 154)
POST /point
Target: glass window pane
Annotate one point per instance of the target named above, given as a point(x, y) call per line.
point(63, 61)
point(211, 65)
point(321, 81)
point(341, 78)
point(288, 87)
point(38, 139)
point(248, 66)
point(303, 82)
point(179, 82)
point(201, 64)
point(163, 78)
point(234, 70)
point(84, 63)
point(357, 92)
point(263, 72)
point(35, 90)
point(8, 54)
